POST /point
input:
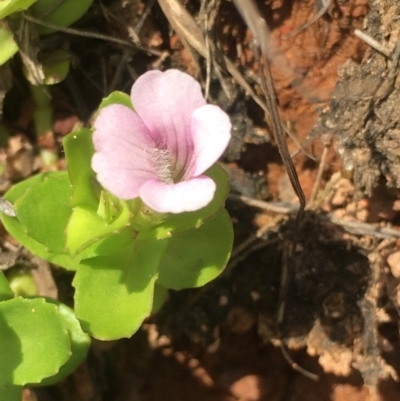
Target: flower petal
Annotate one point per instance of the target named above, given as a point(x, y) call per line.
point(185, 196)
point(124, 148)
point(166, 101)
point(211, 133)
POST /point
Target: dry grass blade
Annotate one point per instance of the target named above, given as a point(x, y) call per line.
point(182, 22)
point(27, 41)
point(325, 6)
point(260, 31)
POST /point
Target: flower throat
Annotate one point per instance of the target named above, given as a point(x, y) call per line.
point(163, 163)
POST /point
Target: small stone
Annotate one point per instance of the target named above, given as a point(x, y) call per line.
point(393, 261)
point(247, 388)
point(255, 296)
point(223, 300)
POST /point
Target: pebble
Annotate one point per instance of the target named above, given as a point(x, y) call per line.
point(393, 261)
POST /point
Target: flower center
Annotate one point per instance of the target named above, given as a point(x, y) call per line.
point(163, 163)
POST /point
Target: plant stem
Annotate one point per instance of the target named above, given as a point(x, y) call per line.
point(43, 120)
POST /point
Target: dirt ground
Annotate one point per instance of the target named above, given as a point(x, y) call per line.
point(338, 338)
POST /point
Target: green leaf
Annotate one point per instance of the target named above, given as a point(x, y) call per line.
point(116, 98)
point(9, 392)
point(18, 231)
point(5, 290)
point(62, 13)
point(16, 191)
point(176, 224)
point(108, 244)
point(86, 227)
point(34, 342)
point(80, 344)
point(15, 228)
point(8, 46)
point(79, 150)
point(160, 296)
point(198, 257)
point(114, 293)
point(8, 7)
point(44, 211)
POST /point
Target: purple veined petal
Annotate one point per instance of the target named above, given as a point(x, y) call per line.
point(185, 196)
point(118, 122)
point(211, 133)
point(166, 101)
point(123, 159)
point(120, 180)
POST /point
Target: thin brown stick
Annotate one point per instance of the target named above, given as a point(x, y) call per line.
point(373, 43)
point(325, 6)
point(296, 366)
point(274, 207)
point(353, 227)
point(259, 29)
point(280, 139)
point(93, 35)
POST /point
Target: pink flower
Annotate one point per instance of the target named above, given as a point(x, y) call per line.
point(161, 150)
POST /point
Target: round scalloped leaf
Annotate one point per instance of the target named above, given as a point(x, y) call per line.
point(199, 256)
point(78, 147)
point(80, 344)
point(15, 228)
point(62, 13)
point(34, 342)
point(5, 290)
point(9, 392)
point(114, 293)
point(116, 97)
point(8, 46)
point(44, 211)
point(18, 231)
point(176, 224)
point(8, 7)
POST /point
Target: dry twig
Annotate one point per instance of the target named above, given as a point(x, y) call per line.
point(325, 6)
point(93, 35)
